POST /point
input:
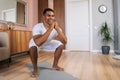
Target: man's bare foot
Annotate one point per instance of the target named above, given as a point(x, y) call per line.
point(57, 68)
point(34, 74)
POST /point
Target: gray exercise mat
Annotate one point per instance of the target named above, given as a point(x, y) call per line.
point(46, 73)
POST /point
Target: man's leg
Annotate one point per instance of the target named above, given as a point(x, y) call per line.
point(34, 56)
point(57, 56)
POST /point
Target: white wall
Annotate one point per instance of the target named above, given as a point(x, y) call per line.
point(96, 19)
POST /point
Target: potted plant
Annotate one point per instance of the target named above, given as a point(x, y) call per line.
point(106, 38)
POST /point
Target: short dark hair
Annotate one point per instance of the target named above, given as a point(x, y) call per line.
point(47, 9)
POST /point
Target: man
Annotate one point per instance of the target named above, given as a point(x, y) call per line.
point(47, 35)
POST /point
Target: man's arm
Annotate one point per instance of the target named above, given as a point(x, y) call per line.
point(40, 39)
point(61, 35)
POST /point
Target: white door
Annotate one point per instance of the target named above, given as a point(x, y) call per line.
point(77, 25)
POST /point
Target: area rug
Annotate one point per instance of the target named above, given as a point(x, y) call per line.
point(46, 72)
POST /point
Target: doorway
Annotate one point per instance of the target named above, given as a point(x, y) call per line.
point(77, 25)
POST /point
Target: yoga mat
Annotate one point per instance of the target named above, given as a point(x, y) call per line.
point(46, 72)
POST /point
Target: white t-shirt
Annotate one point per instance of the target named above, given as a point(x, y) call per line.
point(50, 44)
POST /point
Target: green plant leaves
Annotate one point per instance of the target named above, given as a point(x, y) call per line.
point(105, 33)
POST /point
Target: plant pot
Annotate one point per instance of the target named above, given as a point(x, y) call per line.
point(105, 49)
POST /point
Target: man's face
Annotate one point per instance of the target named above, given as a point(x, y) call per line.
point(49, 17)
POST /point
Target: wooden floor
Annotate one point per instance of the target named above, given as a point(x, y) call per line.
point(83, 65)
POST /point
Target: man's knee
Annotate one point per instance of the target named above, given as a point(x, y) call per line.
point(33, 49)
point(61, 47)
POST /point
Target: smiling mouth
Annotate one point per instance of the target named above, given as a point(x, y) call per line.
point(50, 21)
